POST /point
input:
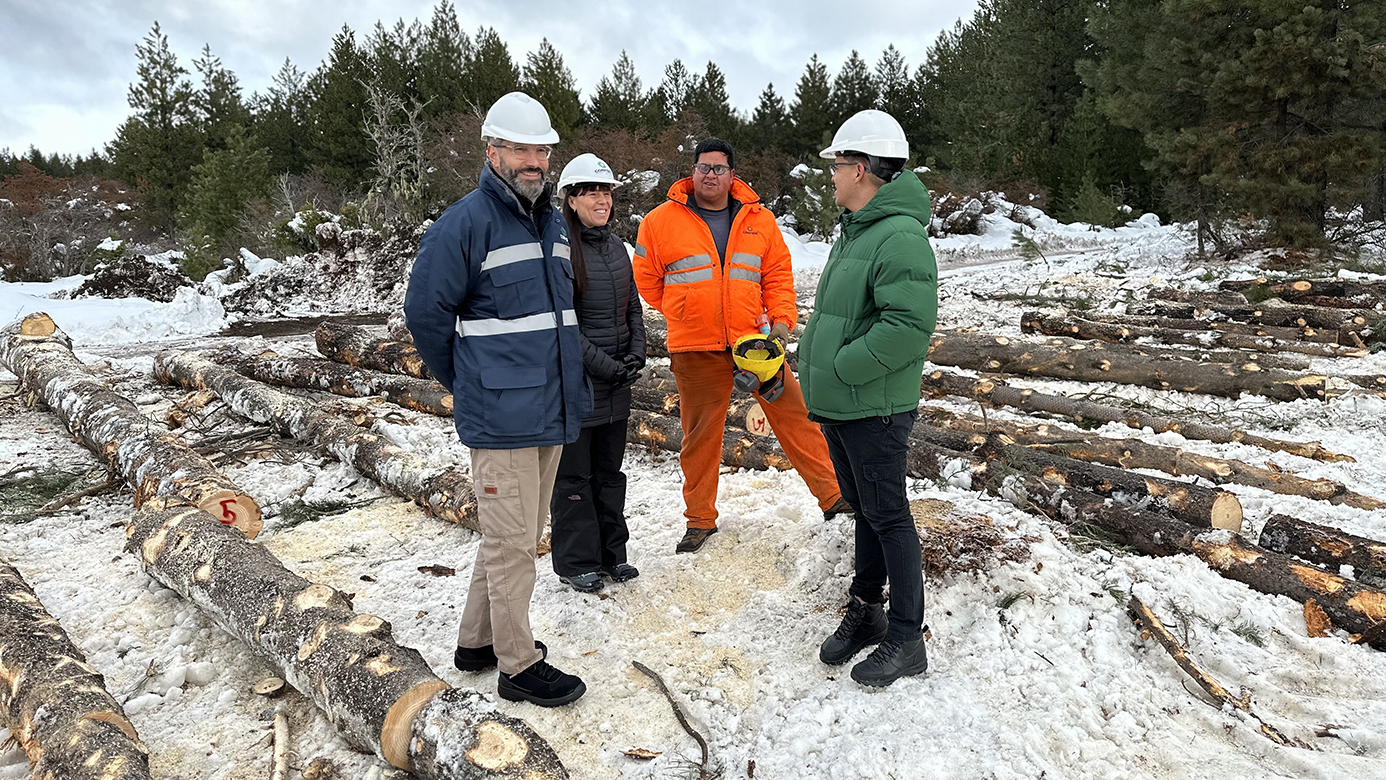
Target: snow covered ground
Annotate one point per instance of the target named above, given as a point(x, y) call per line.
point(1035, 668)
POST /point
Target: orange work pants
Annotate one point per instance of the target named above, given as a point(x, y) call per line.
point(705, 389)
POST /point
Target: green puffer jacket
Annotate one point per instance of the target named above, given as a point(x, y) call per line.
point(863, 352)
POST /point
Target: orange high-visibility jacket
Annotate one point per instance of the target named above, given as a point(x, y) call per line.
point(707, 303)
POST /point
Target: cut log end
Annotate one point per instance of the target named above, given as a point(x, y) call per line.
point(1226, 512)
point(236, 510)
point(399, 721)
point(270, 686)
point(37, 324)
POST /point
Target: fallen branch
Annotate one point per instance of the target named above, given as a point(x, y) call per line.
point(703, 770)
point(153, 461)
point(53, 506)
point(1150, 624)
point(53, 702)
point(281, 747)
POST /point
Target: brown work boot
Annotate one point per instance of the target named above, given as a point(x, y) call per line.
point(840, 508)
point(693, 539)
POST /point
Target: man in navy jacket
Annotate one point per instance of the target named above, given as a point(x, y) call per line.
point(490, 305)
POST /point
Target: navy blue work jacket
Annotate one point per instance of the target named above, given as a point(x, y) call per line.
point(490, 305)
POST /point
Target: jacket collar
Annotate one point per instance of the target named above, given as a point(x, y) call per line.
point(596, 235)
point(492, 184)
point(682, 191)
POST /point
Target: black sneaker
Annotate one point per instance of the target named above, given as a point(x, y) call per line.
point(587, 582)
point(621, 572)
point(540, 684)
point(475, 659)
point(693, 539)
point(864, 624)
point(839, 508)
point(890, 661)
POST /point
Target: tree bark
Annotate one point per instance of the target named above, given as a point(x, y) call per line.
point(424, 395)
point(1367, 294)
point(997, 391)
point(1195, 505)
point(357, 346)
point(1327, 547)
point(397, 328)
point(1350, 605)
point(1270, 313)
point(1097, 362)
point(54, 703)
point(445, 493)
point(381, 697)
point(1207, 300)
point(739, 447)
point(158, 465)
point(1137, 454)
point(1077, 327)
point(1329, 336)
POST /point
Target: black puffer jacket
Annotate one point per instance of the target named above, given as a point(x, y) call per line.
point(610, 323)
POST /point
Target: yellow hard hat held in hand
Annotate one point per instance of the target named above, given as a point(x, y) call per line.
point(759, 365)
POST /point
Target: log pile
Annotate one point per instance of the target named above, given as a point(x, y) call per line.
point(424, 395)
point(1295, 334)
point(158, 465)
point(382, 697)
point(1284, 315)
point(445, 493)
point(53, 702)
point(740, 448)
point(1347, 292)
point(1099, 362)
point(1116, 333)
point(1327, 547)
point(357, 346)
point(996, 391)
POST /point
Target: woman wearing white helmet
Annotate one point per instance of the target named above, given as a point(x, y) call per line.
point(589, 495)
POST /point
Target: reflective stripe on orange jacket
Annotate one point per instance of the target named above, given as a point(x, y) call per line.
point(709, 304)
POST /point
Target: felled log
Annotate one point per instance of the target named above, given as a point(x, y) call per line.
point(424, 395)
point(1205, 299)
point(1350, 605)
point(739, 447)
point(153, 461)
point(1268, 313)
point(1137, 454)
point(1194, 504)
point(381, 697)
point(398, 328)
point(997, 391)
point(1327, 547)
point(1152, 625)
point(656, 335)
point(445, 493)
point(1365, 293)
point(1078, 327)
point(1327, 336)
point(1098, 362)
point(53, 702)
point(357, 346)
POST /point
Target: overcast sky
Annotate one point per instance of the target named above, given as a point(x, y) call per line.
point(66, 65)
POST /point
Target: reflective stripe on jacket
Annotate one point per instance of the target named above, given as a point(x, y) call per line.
point(707, 303)
point(490, 304)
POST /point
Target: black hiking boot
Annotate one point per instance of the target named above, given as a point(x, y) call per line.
point(621, 572)
point(864, 624)
point(890, 661)
point(587, 582)
point(693, 539)
point(540, 684)
point(475, 659)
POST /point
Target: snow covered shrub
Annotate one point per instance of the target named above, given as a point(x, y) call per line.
point(1097, 208)
point(300, 234)
point(812, 210)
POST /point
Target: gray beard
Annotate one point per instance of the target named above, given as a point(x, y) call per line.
point(530, 190)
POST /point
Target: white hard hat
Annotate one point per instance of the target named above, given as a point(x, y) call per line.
point(587, 169)
point(871, 132)
point(518, 117)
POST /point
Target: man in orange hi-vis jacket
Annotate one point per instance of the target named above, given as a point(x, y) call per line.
point(712, 260)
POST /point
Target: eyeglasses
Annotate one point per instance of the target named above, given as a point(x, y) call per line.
point(715, 170)
point(833, 166)
point(542, 152)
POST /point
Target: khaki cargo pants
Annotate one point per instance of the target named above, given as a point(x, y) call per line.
point(513, 488)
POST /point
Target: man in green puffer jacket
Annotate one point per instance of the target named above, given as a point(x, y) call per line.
point(860, 363)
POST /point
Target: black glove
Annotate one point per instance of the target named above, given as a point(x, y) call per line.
point(635, 362)
point(626, 377)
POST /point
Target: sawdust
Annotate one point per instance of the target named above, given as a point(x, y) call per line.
point(955, 543)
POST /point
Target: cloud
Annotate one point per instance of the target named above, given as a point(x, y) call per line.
point(66, 73)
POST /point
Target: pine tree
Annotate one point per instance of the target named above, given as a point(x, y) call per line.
point(548, 80)
point(853, 90)
point(813, 126)
point(224, 183)
point(894, 88)
point(490, 71)
point(338, 142)
point(674, 93)
point(218, 101)
point(769, 126)
point(710, 101)
point(392, 58)
point(281, 120)
point(157, 146)
point(443, 56)
point(620, 99)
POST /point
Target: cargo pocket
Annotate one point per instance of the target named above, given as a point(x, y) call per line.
point(515, 399)
point(499, 509)
point(886, 480)
point(514, 290)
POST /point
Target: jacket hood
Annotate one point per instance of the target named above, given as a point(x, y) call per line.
point(905, 196)
point(682, 190)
